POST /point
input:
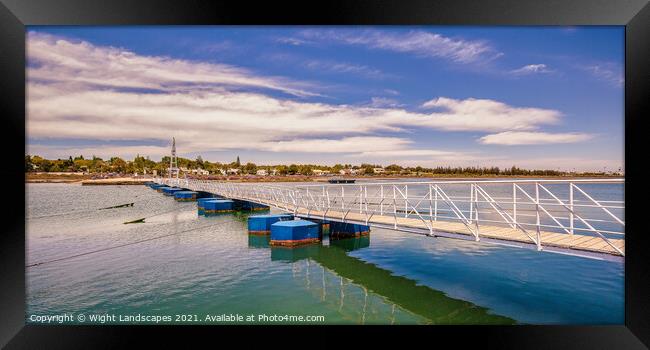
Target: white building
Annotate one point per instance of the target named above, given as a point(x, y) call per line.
point(348, 171)
point(379, 170)
point(200, 172)
point(262, 172)
point(233, 171)
point(319, 172)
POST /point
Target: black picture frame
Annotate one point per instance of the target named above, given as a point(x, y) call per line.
point(16, 14)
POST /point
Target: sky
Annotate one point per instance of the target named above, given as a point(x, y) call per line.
point(532, 97)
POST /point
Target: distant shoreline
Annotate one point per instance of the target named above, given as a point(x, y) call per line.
point(86, 179)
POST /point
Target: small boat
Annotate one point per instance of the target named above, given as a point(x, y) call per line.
point(341, 181)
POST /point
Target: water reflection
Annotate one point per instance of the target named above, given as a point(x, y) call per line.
point(259, 241)
point(344, 280)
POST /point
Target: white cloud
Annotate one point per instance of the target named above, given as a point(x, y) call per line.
point(417, 153)
point(345, 68)
point(56, 59)
point(485, 115)
point(418, 42)
point(607, 71)
point(381, 102)
point(344, 145)
point(291, 41)
point(531, 69)
point(533, 138)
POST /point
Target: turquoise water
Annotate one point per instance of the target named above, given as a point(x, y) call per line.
point(183, 264)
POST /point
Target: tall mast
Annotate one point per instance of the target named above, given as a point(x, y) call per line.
point(173, 161)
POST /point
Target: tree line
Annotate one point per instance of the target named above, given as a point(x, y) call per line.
point(141, 164)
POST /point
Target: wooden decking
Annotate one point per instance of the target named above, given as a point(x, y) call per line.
point(576, 241)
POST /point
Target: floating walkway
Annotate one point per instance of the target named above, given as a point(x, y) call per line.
point(524, 213)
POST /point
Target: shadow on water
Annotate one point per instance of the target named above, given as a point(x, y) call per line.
point(421, 300)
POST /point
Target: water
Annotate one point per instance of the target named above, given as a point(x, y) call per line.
point(211, 266)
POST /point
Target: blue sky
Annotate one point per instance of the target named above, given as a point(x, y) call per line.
point(535, 97)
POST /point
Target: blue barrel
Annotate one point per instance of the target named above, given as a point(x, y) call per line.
point(294, 233)
point(162, 188)
point(252, 206)
point(217, 206)
point(201, 201)
point(261, 224)
point(345, 229)
point(185, 196)
point(170, 191)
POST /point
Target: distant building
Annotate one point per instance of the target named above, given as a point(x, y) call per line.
point(200, 172)
point(233, 171)
point(319, 172)
point(262, 172)
point(379, 170)
point(349, 171)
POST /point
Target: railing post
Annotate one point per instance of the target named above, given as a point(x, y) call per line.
point(471, 203)
point(435, 209)
point(360, 199)
point(327, 193)
point(342, 197)
point(478, 230)
point(571, 206)
point(381, 202)
point(514, 202)
point(395, 206)
point(538, 222)
point(365, 194)
point(430, 211)
point(406, 201)
point(430, 203)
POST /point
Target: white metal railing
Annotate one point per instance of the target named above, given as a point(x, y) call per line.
point(593, 207)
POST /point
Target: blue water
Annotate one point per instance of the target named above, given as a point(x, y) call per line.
point(212, 266)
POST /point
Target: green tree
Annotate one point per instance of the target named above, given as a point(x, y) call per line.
point(394, 168)
point(305, 170)
point(118, 164)
point(293, 169)
point(250, 168)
